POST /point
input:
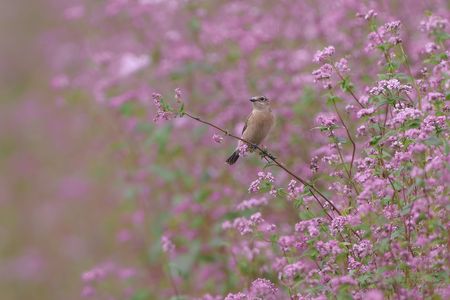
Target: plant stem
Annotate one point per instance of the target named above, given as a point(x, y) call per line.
point(349, 90)
point(172, 281)
point(408, 68)
point(349, 137)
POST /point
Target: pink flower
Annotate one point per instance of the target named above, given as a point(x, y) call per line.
point(217, 138)
point(244, 225)
point(178, 94)
point(94, 274)
point(293, 190)
point(290, 271)
point(433, 96)
point(430, 48)
point(365, 112)
point(338, 281)
point(392, 26)
point(286, 241)
point(75, 12)
point(323, 55)
point(161, 113)
point(373, 295)
point(329, 247)
point(337, 224)
point(363, 248)
point(87, 291)
point(243, 149)
point(238, 296)
point(263, 289)
point(255, 185)
point(252, 203)
point(433, 23)
point(342, 66)
point(402, 115)
point(326, 120)
point(389, 85)
point(371, 14)
point(167, 245)
point(131, 63)
point(323, 75)
point(312, 226)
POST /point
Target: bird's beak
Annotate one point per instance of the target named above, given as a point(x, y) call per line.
point(253, 99)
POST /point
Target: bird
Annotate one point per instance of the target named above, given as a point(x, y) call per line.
point(257, 127)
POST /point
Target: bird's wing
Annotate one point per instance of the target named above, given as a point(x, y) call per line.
point(246, 121)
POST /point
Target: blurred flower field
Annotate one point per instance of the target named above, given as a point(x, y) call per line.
point(111, 188)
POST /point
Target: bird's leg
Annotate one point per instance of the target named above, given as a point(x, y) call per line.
point(265, 153)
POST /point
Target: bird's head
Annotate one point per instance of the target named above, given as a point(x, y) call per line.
point(260, 102)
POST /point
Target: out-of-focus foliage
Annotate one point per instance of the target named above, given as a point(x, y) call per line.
point(365, 120)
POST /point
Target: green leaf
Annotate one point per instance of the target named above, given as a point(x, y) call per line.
point(194, 24)
point(181, 111)
point(397, 233)
point(265, 186)
point(433, 141)
point(165, 106)
point(441, 36)
point(346, 85)
point(341, 258)
point(234, 54)
point(331, 99)
point(392, 66)
point(386, 201)
point(412, 124)
point(447, 147)
point(127, 109)
point(374, 141)
point(197, 222)
point(344, 293)
point(397, 185)
point(365, 278)
point(298, 202)
point(304, 215)
point(165, 173)
point(141, 295)
point(178, 298)
point(161, 136)
point(183, 263)
point(405, 210)
point(383, 245)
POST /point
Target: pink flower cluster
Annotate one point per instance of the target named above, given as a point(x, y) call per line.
point(392, 85)
point(161, 113)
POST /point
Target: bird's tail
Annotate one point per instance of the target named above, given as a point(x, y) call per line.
point(233, 158)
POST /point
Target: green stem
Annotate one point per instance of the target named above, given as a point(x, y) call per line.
point(408, 68)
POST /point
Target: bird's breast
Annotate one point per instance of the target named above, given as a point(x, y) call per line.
point(258, 126)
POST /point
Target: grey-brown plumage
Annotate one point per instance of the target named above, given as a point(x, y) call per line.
point(257, 126)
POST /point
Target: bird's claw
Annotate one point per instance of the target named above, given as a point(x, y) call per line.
point(264, 153)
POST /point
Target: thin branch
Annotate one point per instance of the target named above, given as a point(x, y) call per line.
point(172, 280)
point(273, 159)
point(383, 129)
point(349, 137)
point(386, 53)
point(349, 90)
point(408, 68)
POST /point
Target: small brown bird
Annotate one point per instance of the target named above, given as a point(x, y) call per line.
point(257, 126)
